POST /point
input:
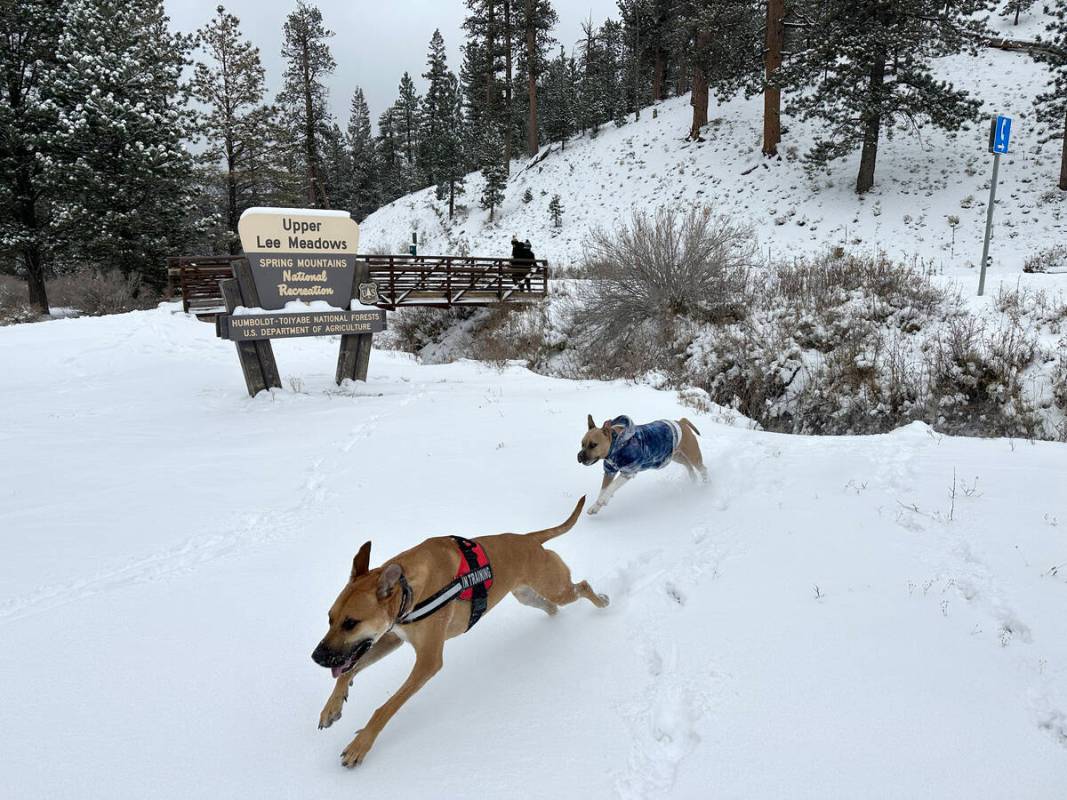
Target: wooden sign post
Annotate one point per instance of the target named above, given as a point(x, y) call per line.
point(303, 255)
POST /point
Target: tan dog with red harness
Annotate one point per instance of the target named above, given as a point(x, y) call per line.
point(428, 594)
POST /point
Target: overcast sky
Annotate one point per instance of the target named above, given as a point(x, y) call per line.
point(375, 41)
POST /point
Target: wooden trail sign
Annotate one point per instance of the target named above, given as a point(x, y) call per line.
point(306, 255)
point(300, 254)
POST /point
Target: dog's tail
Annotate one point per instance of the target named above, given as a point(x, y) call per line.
point(551, 533)
point(689, 425)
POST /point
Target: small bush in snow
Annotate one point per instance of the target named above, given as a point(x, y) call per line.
point(412, 329)
point(555, 211)
point(96, 292)
point(1051, 258)
point(14, 302)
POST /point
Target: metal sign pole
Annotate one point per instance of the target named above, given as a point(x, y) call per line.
point(999, 137)
point(988, 223)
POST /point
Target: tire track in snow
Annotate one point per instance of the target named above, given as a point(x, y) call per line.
point(252, 529)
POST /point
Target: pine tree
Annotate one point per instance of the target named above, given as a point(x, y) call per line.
point(481, 75)
point(868, 71)
point(406, 119)
point(659, 36)
point(555, 211)
point(236, 121)
point(559, 100)
point(1015, 8)
point(635, 15)
point(493, 172)
point(337, 170)
point(590, 90)
point(29, 35)
point(537, 18)
point(434, 110)
point(364, 198)
point(612, 74)
point(127, 198)
point(450, 151)
point(722, 38)
point(395, 178)
point(1052, 104)
point(304, 94)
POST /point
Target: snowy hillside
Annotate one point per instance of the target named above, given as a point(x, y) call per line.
point(824, 619)
point(921, 182)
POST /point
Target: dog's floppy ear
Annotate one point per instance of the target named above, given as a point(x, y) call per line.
point(390, 576)
point(591, 423)
point(361, 563)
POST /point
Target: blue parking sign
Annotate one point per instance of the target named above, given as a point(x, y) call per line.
point(999, 134)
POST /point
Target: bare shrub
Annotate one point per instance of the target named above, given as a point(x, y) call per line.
point(693, 264)
point(1059, 378)
point(14, 302)
point(752, 367)
point(512, 333)
point(975, 379)
point(96, 292)
point(829, 280)
point(413, 329)
point(1050, 258)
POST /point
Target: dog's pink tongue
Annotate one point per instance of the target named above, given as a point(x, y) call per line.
point(336, 671)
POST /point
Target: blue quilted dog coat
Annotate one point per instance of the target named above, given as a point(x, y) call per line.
point(641, 447)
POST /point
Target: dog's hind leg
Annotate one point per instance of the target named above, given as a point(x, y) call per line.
point(528, 597)
point(331, 712)
point(689, 449)
point(428, 662)
point(680, 458)
point(551, 579)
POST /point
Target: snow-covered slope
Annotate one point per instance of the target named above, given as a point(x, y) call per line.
point(922, 181)
point(822, 620)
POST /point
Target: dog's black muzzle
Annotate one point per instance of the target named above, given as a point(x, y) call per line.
point(325, 657)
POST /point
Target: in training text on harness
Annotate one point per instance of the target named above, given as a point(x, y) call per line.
point(472, 582)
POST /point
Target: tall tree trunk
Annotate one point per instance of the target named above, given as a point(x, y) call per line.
point(699, 97)
point(532, 137)
point(234, 244)
point(1018, 5)
point(772, 95)
point(310, 151)
point(872, 125)
point(637, 71)
point(508, 127)
point(26, 214)
point(451, 197)
point(1063, 158)
point(658, 71)
point(32, 258)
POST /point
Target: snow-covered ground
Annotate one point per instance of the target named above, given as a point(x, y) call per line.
point(928, 204)
point(822, 620)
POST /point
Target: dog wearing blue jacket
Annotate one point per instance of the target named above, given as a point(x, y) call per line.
point(627, 449)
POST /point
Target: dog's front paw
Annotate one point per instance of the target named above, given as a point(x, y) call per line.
point(594, 508)
point(331, 712)
point(357, 750)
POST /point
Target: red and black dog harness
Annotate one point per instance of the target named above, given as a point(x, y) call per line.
point(472, 582)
